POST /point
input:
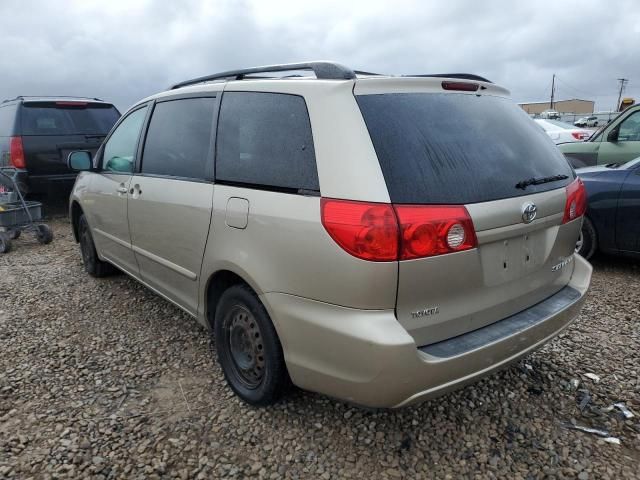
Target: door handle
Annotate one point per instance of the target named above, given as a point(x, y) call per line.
point(122, 189)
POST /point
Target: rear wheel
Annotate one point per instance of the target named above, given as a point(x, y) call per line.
point(5, 243)
point(587, 241)
point(13, 234)
point(92, 264)
point(249, 350)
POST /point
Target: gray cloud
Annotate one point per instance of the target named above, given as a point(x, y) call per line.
point(127, 50)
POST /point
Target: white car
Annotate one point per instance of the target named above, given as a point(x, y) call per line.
point(550, 114)
point(591, 121)
point(561, 132)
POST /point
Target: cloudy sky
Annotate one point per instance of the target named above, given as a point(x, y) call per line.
point(122, 51)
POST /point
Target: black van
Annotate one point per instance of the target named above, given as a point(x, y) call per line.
point(37, 134)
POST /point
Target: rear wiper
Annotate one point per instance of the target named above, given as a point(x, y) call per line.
point(539, 181)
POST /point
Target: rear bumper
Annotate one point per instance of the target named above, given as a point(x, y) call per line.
point(368, 358)
point(51, 184)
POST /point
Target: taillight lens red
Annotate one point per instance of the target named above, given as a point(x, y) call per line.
point(434, 230)
point(16, 153)
point(576, 205)
point(365, 230)
point(579, 135)
point(382, 232)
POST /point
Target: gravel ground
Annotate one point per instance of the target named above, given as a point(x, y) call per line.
point(103, 379)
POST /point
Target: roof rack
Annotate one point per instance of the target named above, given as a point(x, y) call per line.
point(462, 76)
point(322, 70)
point(22, 97)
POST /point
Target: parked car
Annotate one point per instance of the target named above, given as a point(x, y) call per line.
point(376, 239)
point(550, 114)
point(612, 222)
point(37, 134)
point(591, 121)
point(616, 142)
point(561, 132)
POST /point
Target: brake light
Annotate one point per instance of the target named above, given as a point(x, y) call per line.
point(463, 86)
point(68, 103)
point(576, 205)
point(382, 232)
point(429, 230)
point(579, 135)
point(16, 153)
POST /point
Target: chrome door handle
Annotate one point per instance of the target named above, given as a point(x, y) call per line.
point(122, 190)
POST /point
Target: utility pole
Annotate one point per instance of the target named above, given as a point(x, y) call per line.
point(622, 81)
point(553, 88)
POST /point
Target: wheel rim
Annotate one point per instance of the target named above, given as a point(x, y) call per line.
point(580, 242)
point(245, 346)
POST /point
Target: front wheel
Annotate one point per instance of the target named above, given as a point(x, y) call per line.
point(587, 241)
point(5, 243)
point(92, 264)
point(249, 350)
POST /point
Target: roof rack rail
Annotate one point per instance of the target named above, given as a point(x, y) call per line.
point(322, 70)
point(462, 76)
point(22, 97)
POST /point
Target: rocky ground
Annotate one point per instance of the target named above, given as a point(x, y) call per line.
point(103, 379)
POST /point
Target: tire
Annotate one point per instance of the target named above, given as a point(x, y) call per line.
point(248, 347)
point(92, 264)
point(588, 241)
point(44, 235)
point(13, 234)
point(5, 243)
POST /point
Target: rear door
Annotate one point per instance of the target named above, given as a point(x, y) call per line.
point(171, 197)
point(106, 199)
point(473, 150)
point(628, 214)
point(52, 129)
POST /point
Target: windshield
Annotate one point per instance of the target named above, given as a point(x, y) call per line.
point(458, 148)
point(51, 118)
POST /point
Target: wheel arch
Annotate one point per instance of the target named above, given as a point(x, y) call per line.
point(217, 283)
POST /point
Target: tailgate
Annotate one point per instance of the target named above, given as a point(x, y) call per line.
point(515, 266)
point(47, 155)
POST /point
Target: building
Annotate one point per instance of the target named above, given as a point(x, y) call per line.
point(574, 105)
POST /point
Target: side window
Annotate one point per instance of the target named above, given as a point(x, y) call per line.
point(7, 120)
point(120, 149)
point(265, 139)
point(179, 138)
point(630, 128)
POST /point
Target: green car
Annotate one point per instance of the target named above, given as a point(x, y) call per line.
point(616, 142)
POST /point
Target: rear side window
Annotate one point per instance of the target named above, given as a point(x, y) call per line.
point(264, 139)
point(457, 148)
point(7, 121)
point(67, 118)
point(179, 138)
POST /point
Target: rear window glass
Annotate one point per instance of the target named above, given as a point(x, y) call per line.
point(458, 148)
point(52, 119)
point(264, 139)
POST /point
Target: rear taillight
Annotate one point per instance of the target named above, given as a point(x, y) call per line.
point(383, 232)
point(579, 135)
point(365, 230)
point(434, 230)
point(576, 205)
point(16, 153)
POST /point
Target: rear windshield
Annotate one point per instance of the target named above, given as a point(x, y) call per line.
point(458, 148)
point(56, 119)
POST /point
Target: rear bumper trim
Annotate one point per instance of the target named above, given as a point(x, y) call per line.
point(507, 327)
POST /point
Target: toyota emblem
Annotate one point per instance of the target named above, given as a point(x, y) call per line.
point(529, 212)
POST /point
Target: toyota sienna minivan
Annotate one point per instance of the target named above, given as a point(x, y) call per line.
point(378, 239)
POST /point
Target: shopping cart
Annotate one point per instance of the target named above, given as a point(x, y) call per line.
point(18, 215)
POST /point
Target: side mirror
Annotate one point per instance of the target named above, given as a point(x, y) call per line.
point(613, 135)
point(79, 161)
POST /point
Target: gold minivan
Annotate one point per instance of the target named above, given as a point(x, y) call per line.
point(374, 238)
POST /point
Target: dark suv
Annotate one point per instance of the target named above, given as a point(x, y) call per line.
point(37, 134)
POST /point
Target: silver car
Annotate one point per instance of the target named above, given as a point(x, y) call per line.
point(374, 238)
